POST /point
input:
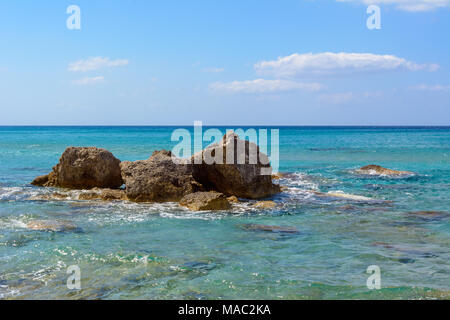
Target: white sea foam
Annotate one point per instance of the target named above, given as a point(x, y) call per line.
point(299, 180)
point(342, 195)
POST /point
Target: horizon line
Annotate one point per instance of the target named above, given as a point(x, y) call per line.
point(223, 125)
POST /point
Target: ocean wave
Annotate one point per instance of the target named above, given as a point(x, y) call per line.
point(300, 180)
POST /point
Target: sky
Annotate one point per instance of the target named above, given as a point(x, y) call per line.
point(225, 62)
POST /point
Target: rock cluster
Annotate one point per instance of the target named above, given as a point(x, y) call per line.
point(240, 171)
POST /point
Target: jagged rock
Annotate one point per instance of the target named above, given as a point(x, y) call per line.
point(374, 169)
point(52, 225)
point(233, 199)
point(103, 194)
point(84, 168)
point(265, 205)
point(158, 179)
point(40, 181)
point(205, 201)
point(235, 167)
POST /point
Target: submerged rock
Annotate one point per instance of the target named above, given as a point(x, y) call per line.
point(158, 179)
point(235, 167)
point(84, 168)
point(267, 228)
point(430, 215)
point(50, 197)
point(265, 205)
point(103, 194)
point(378, 170)
point(405, 249)
point(205, 201)
point(52, 225)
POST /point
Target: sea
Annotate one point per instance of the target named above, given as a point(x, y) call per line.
point(357, 236)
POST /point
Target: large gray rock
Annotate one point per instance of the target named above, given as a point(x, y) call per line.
point(158, 179)
point(84, 168)
point(243, 171)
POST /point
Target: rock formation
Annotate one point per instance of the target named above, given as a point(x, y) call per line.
point(158, 179)
point(235, 167)
point(84, 168)
point(239, 170)
point(205, 201)
point(374, 169)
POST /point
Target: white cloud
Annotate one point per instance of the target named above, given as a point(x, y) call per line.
point(89, 80)
point(407, 5)
point(95, 63)
point(329, 63)
point(264, 86)
point(214, 70)
point(436, 87)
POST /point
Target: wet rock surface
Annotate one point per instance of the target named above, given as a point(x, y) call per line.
point(158, 179)
point(200, 201)
point(103, 194)
point(265, 205)
point(235, 167)
point(378, 170)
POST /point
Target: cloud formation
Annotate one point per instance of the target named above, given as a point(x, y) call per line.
point(89, 80)
point(407, 5)
point(95, 63)
point(264, 86)
point(329, 63)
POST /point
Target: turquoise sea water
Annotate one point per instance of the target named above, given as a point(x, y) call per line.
point(160, 251)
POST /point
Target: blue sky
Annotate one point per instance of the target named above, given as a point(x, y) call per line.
point(299, 62)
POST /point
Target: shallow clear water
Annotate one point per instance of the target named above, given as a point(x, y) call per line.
point(160, 251)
